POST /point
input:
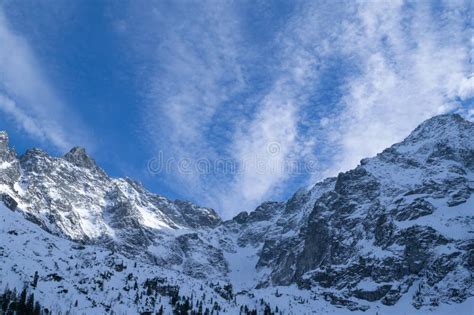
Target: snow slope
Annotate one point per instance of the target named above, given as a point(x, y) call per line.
point(393, 236)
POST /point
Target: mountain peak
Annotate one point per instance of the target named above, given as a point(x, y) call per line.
point(79, 157)
point(446, 137)
point(361, 238)
point(3, 140)
point(6, 153)
point(440, 126)
point(450, 119)
point(34, 152)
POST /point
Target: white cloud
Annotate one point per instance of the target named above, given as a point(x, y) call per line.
point(413, 66)
point(262, 150)
point(31, 126)
point(196, 72)
point(466, 88)
point(269, 145)
point(195, 63)
point(27, 96)
point(276, 123)
point(285, 114)
point(408, 63)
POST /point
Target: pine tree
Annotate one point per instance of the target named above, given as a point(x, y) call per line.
point(174, 299)
point(14, 300)
point(21, 306)
point(267, 310)
point(6, 299)
point(37, 310)
point(18, 304)
point(200, 308)
point(30, 304)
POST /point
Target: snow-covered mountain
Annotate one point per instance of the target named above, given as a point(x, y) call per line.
point(394, 235)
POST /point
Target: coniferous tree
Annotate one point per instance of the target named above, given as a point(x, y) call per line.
point(37, 310)
point(174, 299)
point(14, 300)
point(30, 304)
point(200, 308)
point(18, 304)
point(21, 306)
point(267, 310)
point(6, 299)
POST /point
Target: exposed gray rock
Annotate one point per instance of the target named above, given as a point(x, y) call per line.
point(372, 295)
point(198, 217)
point(399, 219)
point(9, 201)
point(418, 208)
point(78, 156)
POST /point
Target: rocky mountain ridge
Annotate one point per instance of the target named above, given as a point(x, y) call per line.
point(397, 231)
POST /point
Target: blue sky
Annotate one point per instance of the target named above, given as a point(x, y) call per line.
point(283, 93)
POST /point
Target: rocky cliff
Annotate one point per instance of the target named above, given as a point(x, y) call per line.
point(395, 233)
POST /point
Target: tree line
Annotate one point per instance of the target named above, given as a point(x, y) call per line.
point(20, 303)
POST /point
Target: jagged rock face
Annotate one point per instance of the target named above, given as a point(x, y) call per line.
point(198, 217)
point(401, 220)
point(79, 157)
point(9, 170)
point(72, 197)
point(392, 221)
point(4, 148)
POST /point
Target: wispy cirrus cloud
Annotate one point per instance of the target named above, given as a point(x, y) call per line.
point(280, 95)
point(283, 116)
point(341, 81)
point(202, 105)
point(29, 99)
point(413, 62)
point(194, 74)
